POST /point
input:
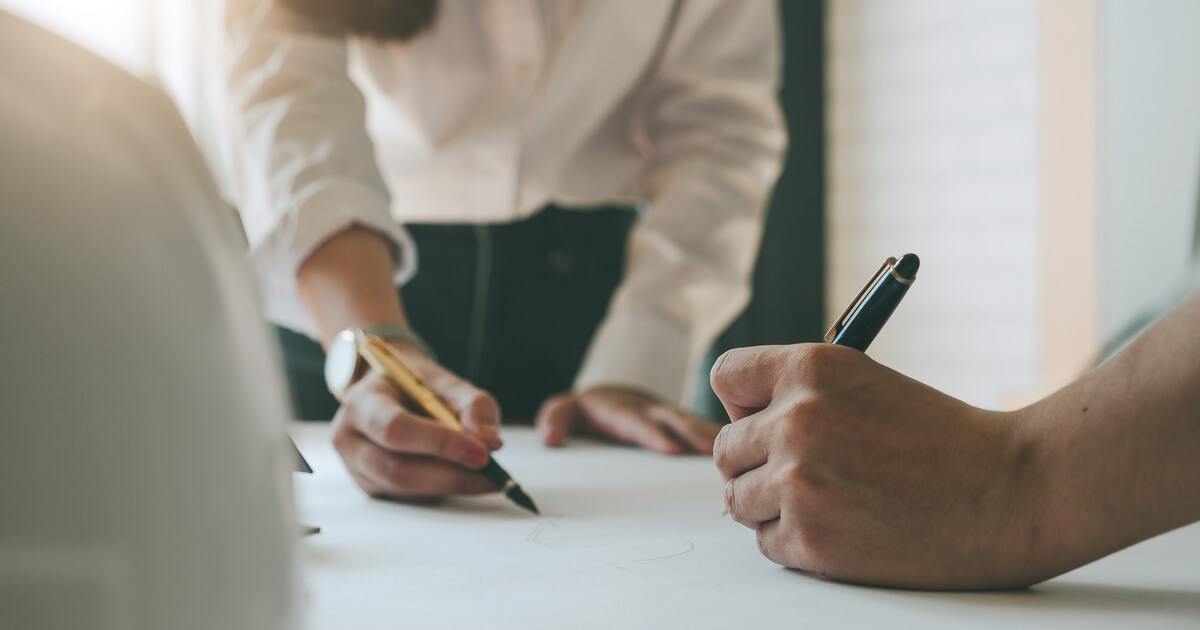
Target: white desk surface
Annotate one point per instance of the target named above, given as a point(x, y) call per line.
point(631, 539)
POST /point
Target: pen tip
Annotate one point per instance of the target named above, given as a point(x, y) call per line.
point(519, 497)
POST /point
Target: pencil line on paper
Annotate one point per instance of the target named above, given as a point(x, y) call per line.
point(536, 532)
point(690, 546)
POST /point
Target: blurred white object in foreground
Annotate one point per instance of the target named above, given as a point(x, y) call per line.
point(142, 478)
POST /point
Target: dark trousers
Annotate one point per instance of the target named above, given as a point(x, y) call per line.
point(510, 307)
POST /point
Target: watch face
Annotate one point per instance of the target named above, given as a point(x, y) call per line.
point(341, 362)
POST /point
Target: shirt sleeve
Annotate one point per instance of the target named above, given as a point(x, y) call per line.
point(718, 140)
point(303, 164)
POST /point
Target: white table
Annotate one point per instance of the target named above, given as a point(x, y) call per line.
point(631, 539)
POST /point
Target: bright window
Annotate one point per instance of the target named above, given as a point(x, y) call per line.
point(115, 29)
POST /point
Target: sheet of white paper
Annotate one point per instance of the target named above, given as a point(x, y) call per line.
point(631, 539)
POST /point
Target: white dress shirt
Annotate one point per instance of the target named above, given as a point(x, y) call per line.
point(503, 107)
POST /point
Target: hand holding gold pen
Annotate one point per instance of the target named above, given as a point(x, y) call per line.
point(384, 358)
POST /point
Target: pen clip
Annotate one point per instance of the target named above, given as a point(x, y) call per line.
point(862, 294)
point(406, 378)
point(369, 344)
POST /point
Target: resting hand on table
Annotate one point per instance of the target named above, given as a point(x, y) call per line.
point(853, 471)
point(392, 449)
point(625, 415)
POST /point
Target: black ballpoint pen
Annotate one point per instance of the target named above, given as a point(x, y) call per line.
point(874, 304)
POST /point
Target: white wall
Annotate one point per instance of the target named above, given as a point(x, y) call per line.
point(933, 135)
point(1150, 134)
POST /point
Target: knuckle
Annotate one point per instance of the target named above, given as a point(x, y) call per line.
point(722, 444)
point(796, 427)
point(342, 437)
point(814, 549)
point(395, 430)
point(788, 475)
point(369, 487)
point(396, 473)
point(482, 406)
point(341, 444)
point(561, 400)
point(821, 365)
point(346, 414)
point(553, 408)
point(809, 360)
point(720, 458)
point(800, 544)
point(801, 482)
point(804, 359)
point(476, 484)
point(445, 446)
point(760, 538)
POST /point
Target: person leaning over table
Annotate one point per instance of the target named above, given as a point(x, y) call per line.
point(853, 471)
point(506, 142)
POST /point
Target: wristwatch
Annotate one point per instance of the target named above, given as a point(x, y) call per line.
point(343, 363)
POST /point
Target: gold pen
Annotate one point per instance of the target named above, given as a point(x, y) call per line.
point(383, 357)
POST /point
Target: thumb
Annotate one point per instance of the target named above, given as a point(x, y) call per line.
point(744, 378)
point(557, 417)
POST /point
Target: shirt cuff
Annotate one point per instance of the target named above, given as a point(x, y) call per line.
point(644, 351)
point(278, 253)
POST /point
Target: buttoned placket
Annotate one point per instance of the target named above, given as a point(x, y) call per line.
point(519, 40)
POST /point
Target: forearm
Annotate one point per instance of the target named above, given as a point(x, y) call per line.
point(1122, 444)
point(305, 171)
point(348, 281)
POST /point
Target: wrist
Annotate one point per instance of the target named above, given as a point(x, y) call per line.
point(349, 280)
point(1055, 534)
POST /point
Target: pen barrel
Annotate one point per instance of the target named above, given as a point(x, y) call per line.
point(872, 313)
point(495, 474)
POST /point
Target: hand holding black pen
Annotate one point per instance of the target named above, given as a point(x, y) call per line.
point(858, 324)
point(851, 470)
point(855, 472)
